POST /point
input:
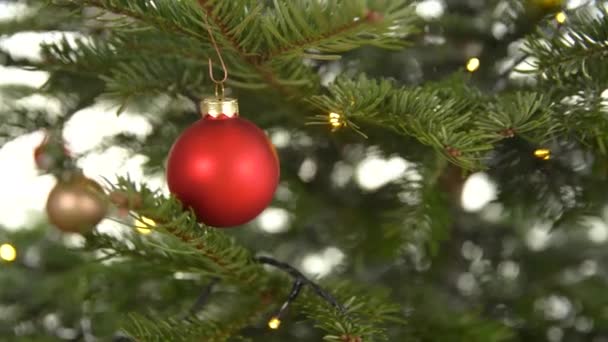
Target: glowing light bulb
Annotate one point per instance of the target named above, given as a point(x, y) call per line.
point(335, 120)
point(473, 64)
point(561, 17)
point(543, 153)
point(143, 226)
point(274, 323)
point(8, 252)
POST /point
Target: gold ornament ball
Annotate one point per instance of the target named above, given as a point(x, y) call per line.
point(76, 205)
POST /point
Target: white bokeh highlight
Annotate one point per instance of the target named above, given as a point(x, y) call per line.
point(430, 9)
point(11, 11)
point(280, 138)
point(321, 264)
point(89, 127)
point(20, 200)
point(597, 231)
point(17, 76)
point(308, 170)
point(24, 192)
point(374, 172)
point(477, 191)
point(273, 220)
point(26, 45)
point(554, 307)
point(537, 238)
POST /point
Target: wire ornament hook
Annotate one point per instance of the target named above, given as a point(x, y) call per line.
point(219, 84)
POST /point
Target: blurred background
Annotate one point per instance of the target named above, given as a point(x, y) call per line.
point(517, 252)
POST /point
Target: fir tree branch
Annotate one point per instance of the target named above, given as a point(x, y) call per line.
point(148, 329)
point(266, 73)
point(229, 23)
point(208, 11)
point(154, 20)
point(323, 32)
point(571, 49)
point(203, 298)
point(292, 271)
point(228, 258)
point(310, 42)
point(210, 252)
point(433, 115)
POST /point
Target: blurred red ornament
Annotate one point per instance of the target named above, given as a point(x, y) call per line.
point(374, 17)
point(223, 167)
point(50, 154)
point(125, 202)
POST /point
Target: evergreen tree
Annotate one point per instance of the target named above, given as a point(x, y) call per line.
point(428, 96)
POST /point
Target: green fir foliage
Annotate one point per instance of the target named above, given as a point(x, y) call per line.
point(418, 266)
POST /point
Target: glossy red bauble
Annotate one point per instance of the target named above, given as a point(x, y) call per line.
point(225, 169)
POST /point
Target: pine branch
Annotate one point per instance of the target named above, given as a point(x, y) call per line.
point(252, 38)
point(325, 32)
point(178, 17)
point(148, 329)
point(266, 73)
point(367, 311)
point(573, 58)
point(203, 298)
point(184, 19)
point(428, 224)
point(433, 115)
point(453, 119)
point(135, 63)
point(578, 50)
point(164, 15)
point(35, 18)
point(528, 115)
point(208, 9)
point(229, 259)
point(300, 46)
point(210, 252)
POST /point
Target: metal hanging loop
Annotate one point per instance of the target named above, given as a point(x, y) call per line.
point(219, 84)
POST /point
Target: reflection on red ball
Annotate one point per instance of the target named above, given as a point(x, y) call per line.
point(225, 169)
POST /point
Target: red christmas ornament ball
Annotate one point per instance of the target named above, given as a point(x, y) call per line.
point(224, 168)
point(50, 154)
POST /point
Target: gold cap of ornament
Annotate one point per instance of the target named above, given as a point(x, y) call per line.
point(215, 106)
